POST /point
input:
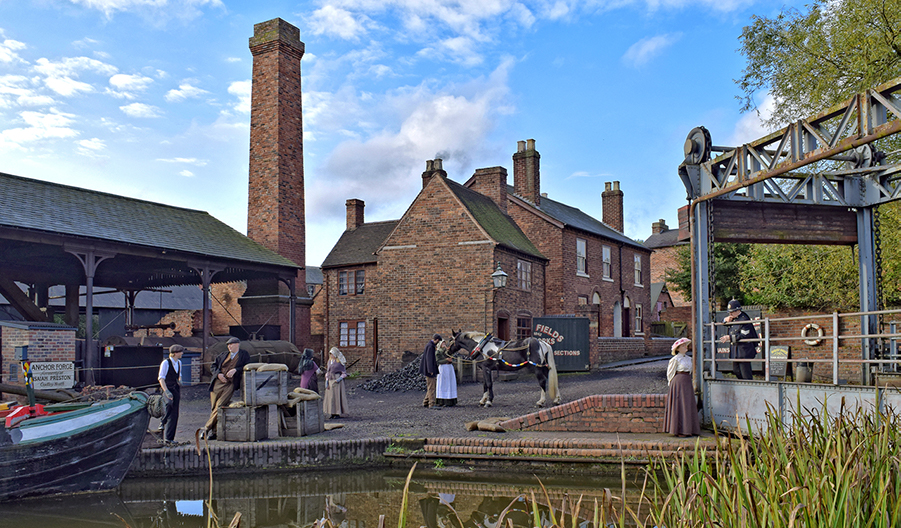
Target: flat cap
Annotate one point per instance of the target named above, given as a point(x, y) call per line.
point(176, 348)
point(232, 340)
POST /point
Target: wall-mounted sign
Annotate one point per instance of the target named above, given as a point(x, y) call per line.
point(568, 336)
point(53, 374)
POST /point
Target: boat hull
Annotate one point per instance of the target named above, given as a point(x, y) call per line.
point(77, 451)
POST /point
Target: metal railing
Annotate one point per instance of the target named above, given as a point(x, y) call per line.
point(890, 363)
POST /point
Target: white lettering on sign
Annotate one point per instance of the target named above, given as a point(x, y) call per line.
point(53, 375)
point(553, 336)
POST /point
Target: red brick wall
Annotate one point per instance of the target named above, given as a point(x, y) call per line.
point(607, 413)
point(225, 310)
point(186, 321)
point(43, 345)
point(612, 204)
point(548, 238)
point(663, 259)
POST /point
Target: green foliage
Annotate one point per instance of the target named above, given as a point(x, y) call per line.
point(729, 260)
point(809, 61)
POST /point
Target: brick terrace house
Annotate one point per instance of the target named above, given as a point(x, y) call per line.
point(387, 286)
point(665, 244)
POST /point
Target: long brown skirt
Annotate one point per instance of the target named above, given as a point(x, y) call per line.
point(681, 417)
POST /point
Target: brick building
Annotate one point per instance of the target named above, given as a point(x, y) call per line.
point(665, 244)
point(387, 286)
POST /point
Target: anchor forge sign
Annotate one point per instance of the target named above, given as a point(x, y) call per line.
point(53, 374)
point(568, 336)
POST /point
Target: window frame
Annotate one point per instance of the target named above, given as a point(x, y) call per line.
point(582, 257)
point(639, 329)
point(638, 270)
point(353, 327)
point(524, 275)
point(523, 326)
point(607, 259)
point(351, 282)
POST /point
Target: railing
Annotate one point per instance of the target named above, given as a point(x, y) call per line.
point(890, 363)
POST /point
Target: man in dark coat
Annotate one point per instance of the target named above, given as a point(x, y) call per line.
point(227, 373)
point(742, 338)
point(428, 367)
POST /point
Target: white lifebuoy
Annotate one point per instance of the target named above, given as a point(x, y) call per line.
point(807, 329)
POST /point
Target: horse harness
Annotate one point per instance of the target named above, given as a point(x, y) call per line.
point(500, 352)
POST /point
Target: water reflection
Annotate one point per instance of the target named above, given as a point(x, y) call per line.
point(349, 498)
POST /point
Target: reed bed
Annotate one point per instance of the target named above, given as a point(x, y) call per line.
point(815, 471)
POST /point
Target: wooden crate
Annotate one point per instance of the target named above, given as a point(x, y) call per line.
point(265, 388)
point(308, 420)
point(243, 424)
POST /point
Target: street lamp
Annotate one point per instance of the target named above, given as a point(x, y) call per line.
point(499, 277)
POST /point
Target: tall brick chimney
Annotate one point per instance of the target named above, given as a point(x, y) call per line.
point(432, 168)
point(491, 182)
point(354, 213)
point(275, 212)
point(526, 171)
point(612, 205)
point(659, 227)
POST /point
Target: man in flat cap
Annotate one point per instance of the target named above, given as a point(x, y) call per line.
point(227, 376)
point(170, 382)
point(428, 367)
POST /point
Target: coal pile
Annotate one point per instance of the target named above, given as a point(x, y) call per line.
point(406, 379)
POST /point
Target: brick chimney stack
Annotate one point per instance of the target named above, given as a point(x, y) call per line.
point(612, 205)
point(659, 227)
point(491, 182)
point(275, 212)
point(354, 213)
point(526, 172)
point(433, 167)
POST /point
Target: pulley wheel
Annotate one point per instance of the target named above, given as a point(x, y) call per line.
point(697, 146)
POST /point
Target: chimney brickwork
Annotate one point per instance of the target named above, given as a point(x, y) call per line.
point(354, 208)
point(526, 172)
point(612, 205)
point(491, 182)
point(275, 213)
point(659, 227)
point(433, 167)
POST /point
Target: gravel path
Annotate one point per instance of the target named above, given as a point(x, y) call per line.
point(400, 414)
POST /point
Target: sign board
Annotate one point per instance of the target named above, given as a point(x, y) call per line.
point(778, 357)
point(568, 336)
point(53, 375)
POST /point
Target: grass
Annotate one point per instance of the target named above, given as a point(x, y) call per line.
point(816, 470)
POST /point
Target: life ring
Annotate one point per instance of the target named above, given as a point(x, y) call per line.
point(807, 329)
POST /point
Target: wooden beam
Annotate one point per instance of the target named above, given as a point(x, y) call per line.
point(779, 223)
point(21, 302)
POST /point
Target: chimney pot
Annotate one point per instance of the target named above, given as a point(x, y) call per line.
point(354, 208)
point(612, 206)
point(520, 146)
point(438, 164)
point(530, 144)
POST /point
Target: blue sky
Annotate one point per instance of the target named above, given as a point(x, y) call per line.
point(150, 98)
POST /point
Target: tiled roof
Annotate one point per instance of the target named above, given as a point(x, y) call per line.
point(314, 275)
point(54, 208)
point(500, 227)
point(358, 246)
point(667, 238)
point(575, 218)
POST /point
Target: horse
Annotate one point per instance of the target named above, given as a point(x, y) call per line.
point(495, 354)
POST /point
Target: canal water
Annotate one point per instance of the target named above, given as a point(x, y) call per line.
point(437, 498)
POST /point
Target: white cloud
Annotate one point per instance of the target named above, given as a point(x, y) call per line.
point(91, 148)
point(241, 90)
point(61, 76)
point(184, 91)
point(750, 126)
point(182, 8)
point(8, 49)
point(189, 161)
point(646, 49)
point(186, 173)
point(16, 90)
point(334, 21)
point(39, 126)
point(128, 86)
point(140, 110)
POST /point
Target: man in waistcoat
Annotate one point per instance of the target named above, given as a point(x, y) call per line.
point(170, 382)
point(227, 374)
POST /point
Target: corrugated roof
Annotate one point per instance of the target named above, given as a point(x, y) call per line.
point(54, 208)
point(500, 227)
point(358, 246)
point(577, 219)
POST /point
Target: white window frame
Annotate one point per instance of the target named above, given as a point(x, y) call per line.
point(352, 336)
point(638, 270)
point(581, 257)
point(638, 317)
point(606, 253)
point(524, 274)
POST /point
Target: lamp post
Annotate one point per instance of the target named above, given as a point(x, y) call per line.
point(499, 277)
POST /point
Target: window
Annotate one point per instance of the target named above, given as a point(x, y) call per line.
point(351, 282)
point(523, 327)
point(361, 281)
point(311, 290)
point(581, 257)
point(353, 334)
point(638, 328)
point(606, 256)
point(638, 270)
point(583, 300)
point(524, 274)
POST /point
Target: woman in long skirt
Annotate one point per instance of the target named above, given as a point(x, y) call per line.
point(334, 403)
point(446, 389)
point(681, 417)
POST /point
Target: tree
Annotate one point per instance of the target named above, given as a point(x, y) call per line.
point(811, 61)
point(728, 260)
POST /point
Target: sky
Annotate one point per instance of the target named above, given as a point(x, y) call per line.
point(151, 98)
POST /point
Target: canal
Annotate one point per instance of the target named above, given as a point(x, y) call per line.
point(437, 498)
